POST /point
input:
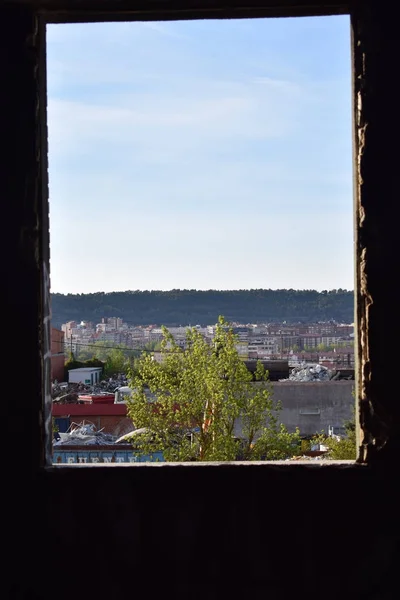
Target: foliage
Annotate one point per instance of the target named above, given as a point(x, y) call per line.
point(276, 443)
point(116, 362)
point(344, 448)
point(189, 403)
point(114, 359)
point(102, 350)
point(93, 362)
point(152, 346)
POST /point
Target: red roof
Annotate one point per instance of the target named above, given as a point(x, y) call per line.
point(86, 410)
point(97, 398)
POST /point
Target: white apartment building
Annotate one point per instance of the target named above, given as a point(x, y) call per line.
point(264, 345)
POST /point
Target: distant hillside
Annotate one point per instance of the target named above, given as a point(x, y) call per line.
point(184, 307)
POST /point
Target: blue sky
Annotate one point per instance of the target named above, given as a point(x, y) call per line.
point(200, 155)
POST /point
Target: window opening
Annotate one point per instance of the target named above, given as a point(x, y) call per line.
point(193, 157)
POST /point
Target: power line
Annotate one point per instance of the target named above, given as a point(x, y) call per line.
point(105, 347)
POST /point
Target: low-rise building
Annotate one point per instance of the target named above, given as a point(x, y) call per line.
point(87, 375)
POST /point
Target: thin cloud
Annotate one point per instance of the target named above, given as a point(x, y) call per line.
point(232, 112)
point(203, 155)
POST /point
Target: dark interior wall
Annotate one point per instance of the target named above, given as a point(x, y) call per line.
point(198, 531)
point(221, 532)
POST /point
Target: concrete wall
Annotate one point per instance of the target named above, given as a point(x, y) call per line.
point(314, 406)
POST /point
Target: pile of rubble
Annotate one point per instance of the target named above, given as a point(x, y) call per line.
point(84, 433)
point(306, 457)
point(67, 393)
point(310, 372)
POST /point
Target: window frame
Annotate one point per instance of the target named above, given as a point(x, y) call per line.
point(377, 416)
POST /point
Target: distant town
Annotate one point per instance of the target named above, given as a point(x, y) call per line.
point(328, 343)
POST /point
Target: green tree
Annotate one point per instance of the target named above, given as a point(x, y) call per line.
point(152, 346)
point(116, 362)
point(115, 358)
point(189, 403)
point(85, 354)
point(276, 443)
point(344, 448)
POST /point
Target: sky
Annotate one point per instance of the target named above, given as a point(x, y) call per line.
point(209, 154)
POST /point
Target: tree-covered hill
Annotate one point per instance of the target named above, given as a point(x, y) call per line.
point(192, 307)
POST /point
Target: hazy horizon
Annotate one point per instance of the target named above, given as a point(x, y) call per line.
point(203, 290)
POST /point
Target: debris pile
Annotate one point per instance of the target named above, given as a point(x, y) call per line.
point(307, 457)
point(67, 393)
point(84, 433)
point(310, 372)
